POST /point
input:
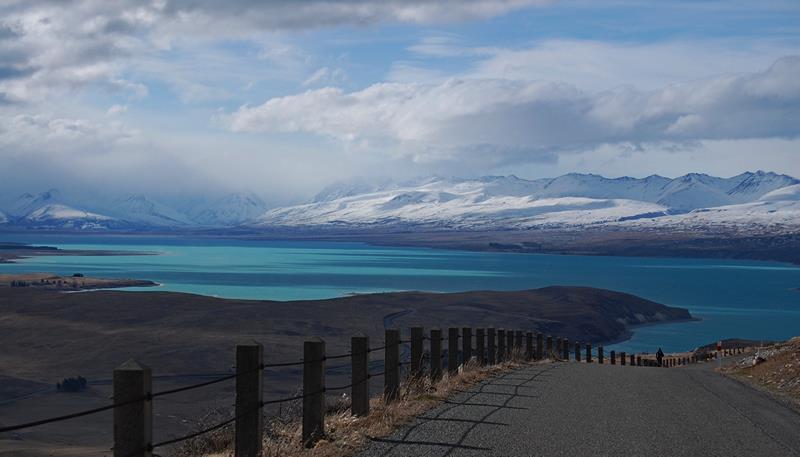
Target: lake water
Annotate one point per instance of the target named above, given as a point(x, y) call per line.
point(747, 299)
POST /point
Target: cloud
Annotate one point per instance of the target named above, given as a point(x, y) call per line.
point(325, 76)
point(519, 120)
point(601, 65)
point(43, 134)
point(50, 45)
point(283, 14)
point(116, 109)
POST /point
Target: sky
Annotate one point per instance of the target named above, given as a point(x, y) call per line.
point(283, 97)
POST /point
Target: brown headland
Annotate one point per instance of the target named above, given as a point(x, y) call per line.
point(49, 335)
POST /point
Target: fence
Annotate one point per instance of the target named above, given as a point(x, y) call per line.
point(133, 396)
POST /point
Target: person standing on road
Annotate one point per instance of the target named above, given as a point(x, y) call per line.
point(659, 356)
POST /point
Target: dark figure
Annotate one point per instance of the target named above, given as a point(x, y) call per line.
point(659, 356)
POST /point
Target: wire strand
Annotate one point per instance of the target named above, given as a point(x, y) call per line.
point(197, 386)
point(87, 412)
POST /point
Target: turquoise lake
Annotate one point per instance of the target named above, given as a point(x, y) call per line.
point(746, 299)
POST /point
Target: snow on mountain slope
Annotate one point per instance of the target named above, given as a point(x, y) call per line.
point(140, 210)
point(62, 212)
point(773, 216)
point(788, 193)
point(62, 216)
point(758, 184)
point(694, 191)
point(569, 200)
point(463, 205)
point(498, 202)
point(685, 193)
point(232, 209)
point(27, 203)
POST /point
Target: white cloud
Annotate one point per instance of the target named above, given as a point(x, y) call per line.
point(43, 134)
point(325, 76)
point(601, 65)
point(55, 46)
point(519, 120)
point(115, 109)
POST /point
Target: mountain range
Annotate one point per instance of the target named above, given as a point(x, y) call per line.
point(51, 209)
point(571, 200)
point(752, 200)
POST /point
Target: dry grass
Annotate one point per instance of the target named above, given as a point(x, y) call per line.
point(779, 373)
point(344, 433)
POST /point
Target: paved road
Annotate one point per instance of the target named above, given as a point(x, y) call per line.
point(574, 409)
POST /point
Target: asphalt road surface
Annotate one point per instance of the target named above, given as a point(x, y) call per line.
point(579, 409)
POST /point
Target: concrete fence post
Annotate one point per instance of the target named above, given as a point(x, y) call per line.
point(518, 341)
point(539, 346)
point(480, 345)
point(501, 345)
point(613, 357)
point(466, 345)
point(509, 344)
point(529, 345)
point(638, 360)
point(313, 392)
point(417, 351)
point(452, 349)
point(577, 351)
point(436, 354)
point(391, 365)
point(133, 423)
point(633, 360)
point(249, 423)
point(559, 347)
point(622, 358)
point(549, 348)
point(565, 350)
point(359, 376)
point(588, 352)
point(491, 348)
point(600, 355)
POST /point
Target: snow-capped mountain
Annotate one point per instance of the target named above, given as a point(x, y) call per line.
point(462, 207)
point(56, 215)
point(139, 209)
point(233, 209)
point(27, 203)
point(776, 212)
point(491, 202)
point(788, 193)
point(508, 202)
point(51, 209)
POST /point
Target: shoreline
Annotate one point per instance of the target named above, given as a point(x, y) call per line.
point(11, 252)
point(67, 284)
point(632, 328)
point(783, 248)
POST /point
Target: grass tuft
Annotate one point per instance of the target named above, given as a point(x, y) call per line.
point(344, 433)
